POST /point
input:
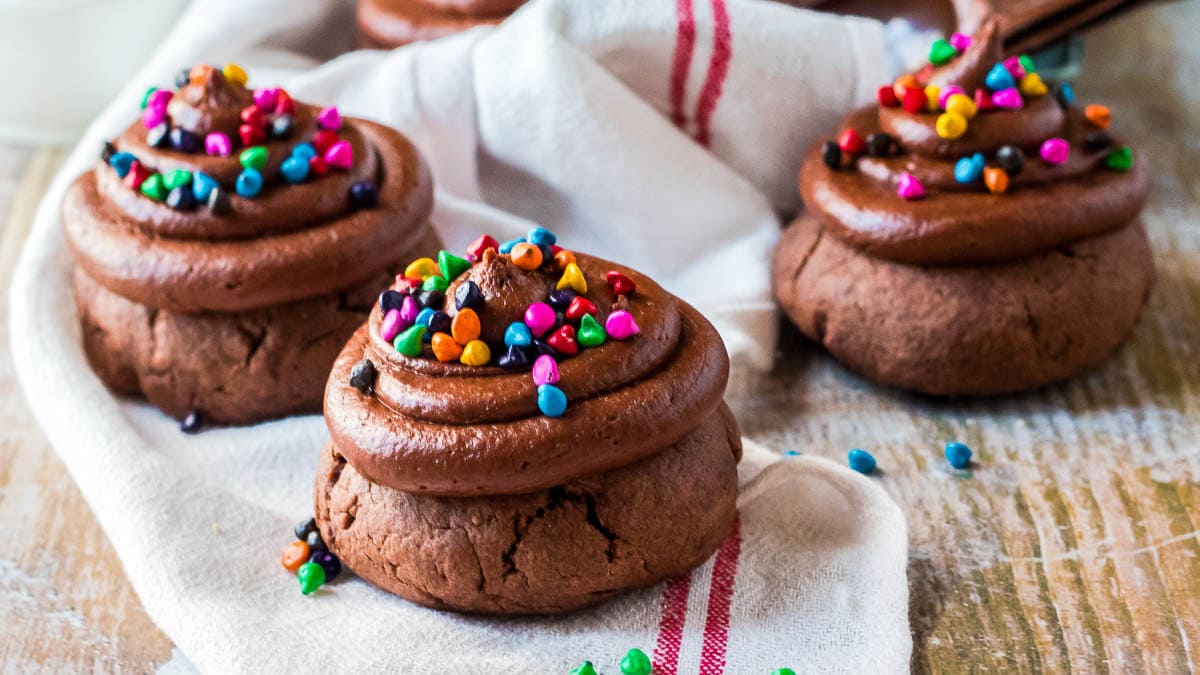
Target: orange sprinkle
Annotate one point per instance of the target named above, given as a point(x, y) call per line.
point(564, 258)
point(995, 179)
point(1098, 115)
point(907, 81)
point(465, 326)
point(445, 348)
point(526, 256)
point(294, 555)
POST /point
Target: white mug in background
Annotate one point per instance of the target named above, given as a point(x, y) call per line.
point(61, 61)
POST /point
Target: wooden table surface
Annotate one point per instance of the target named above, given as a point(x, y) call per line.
point(1073, 544)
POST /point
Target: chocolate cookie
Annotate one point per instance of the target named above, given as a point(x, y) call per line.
point(549, 551)
point(393, 23)
point(965, 330)
point(230, 241)
point(532, 455)
point(975, 232)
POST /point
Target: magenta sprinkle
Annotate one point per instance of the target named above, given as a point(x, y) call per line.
point(910, 187)
point(391, 325)
point(329, 118)
point(266, 99)
point(1013, 65)
point(1055, 151)
point(153, 116)
point(621, 326)
point(218, 144)
point(960, 41)
point(545, 370)
point(540, 318)
point(1009, 99)
point(409, 309)
point(340, 155)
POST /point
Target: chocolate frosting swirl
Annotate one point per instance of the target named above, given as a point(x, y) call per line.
point(448, 429)
point(1045, 206)
point(290, 242)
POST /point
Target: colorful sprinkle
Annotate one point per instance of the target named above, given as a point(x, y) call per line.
point(1095, 141)
point(951, 126)
point(619, 283)
point(620, 325)
point(477, 247)
point(540, 317)
point(941, 52)
point(249, 183)
point(861, 461)
point(507, 246)
point(590, 333)
point(362, 377)
point(999, 78)
point(958, 455)
point(526, 256)
point(311, 577)
point(913, 100)
point(513, 357)
point(328, 562)
point(831, 155)
point(294, 170)
point(960, 41)
point(340, 155)
point(945, 93)
point(180, 199)
point(636, 663)
point(217, 144)
point(184, 141)
point(1013, 65)
point(152, 117)
point(253, 158)
point(392, 324)
point(465, 326)
point(294, 555)
point(563, 340)
point(996, 180)
point(969, 169)
point(476, 353)
point(235, 74)
point(1055, 151)
point(193, 423)
point(1100, 116)
point(886, 95)
point(153, 187)
point(1032, 85)
point(580, 307)
point(250, 134)
point(851, 142)
point(1064, 94)
point(1011, 159)
point(880, 144)
point(983, 100)
point(909, 187)
point(410, 341)
point(545, 370)
point(467, 295)
point(563, 258)
point(1008, 99)
point(962, 104)
point(552, 402)
point(158, 136)
point(445, 347)
point(1120, 159)
point(572, 278)
point(329, 118)
point(931, 98)
point(540, 236)
point(518, 335)
point(421, 268)
point(451, 266)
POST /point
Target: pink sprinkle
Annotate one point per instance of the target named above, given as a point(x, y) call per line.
point(266, 99)
point(340, 155)
point(391, 325)
point(545, 370)
point(1009, 99)
point(218, 144)
point(983, 100)
point(1055, 151)
point(160, 98)
point(153, 116)
point(620, 325)
point(945, 94)
point(909, 187)
point(960, 41)
point(540, 318)
point(1013, 65)
point(330, 118)
point(409, 309)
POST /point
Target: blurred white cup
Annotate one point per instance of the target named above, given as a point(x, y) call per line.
point(61, 61)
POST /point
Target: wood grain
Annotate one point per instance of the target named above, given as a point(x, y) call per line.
point(65, 604)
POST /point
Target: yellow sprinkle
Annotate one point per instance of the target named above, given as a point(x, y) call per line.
point(1032, 85)
point(421, 268)
point(476, 353)
point(951, 126)
point(572, 278)
point(931, 97)
point(961, 104)
point(235, 74)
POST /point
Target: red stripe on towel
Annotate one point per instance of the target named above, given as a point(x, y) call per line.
point(716, 624)
point(681, 63)
point(718, 68)
point(670, 626)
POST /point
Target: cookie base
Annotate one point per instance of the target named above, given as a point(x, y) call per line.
point(386, 24)
point(546, 552)
point(981, 330)
point(233, 367)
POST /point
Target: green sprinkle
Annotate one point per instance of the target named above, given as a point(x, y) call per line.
point(311, 576)
point(409, 342)
point(254, 158)
point(585, 668)
point(590, 333)
point(435, 283)
point(147, 95)
point(177, 178)
point(1120, 159)
point(635, 663)
point(941, 51)
point(153, 187)
point(1027, 63)
point(451, 265)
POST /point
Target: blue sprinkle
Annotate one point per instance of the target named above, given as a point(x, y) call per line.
point(306, 151)
point(958, 455)
point(861, 461)
point(202, 186)
point(551, 400)
point(999, 78)
point(1066, 93)
point(969, 169)
point(122, 162)
point(294, 169)
point(517, 335)
point(249, 183)
point(507, 246)
point(791, 453)
point(541, 237)
point(424, 316)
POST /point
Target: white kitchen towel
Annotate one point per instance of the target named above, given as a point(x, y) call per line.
point(662, 133)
